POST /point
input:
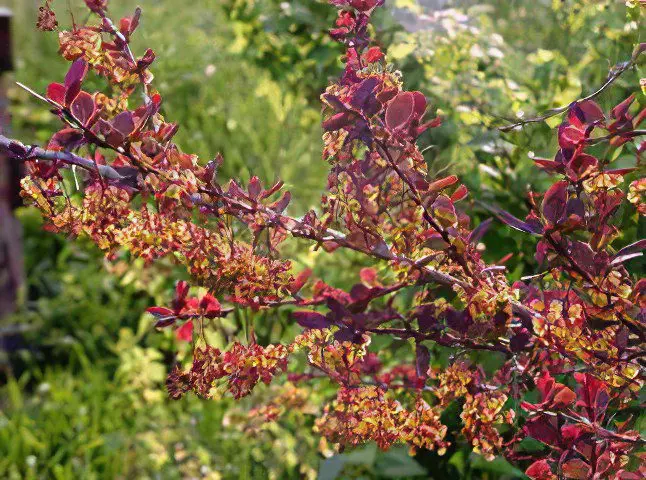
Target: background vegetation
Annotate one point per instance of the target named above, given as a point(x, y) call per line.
point(81, 372)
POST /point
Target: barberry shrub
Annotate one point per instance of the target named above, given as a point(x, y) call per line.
point(568, 340)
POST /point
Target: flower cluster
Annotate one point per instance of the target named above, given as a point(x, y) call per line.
point(113, 173)
point(366, 413)
point(243, 366)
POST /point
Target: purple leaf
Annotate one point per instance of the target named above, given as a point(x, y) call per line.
point(519, 340)
point(124, 123)
point(555, 202)
point(76, 73)
point(422, 360)
point(74, 80)
point(67, 139)
point(307, 319)
point(334, 102)
point(624, 258)
point(460, 321)
point(400, 110)
point(426, 317)
point(632, 248)
point(83, 108)
point(17, 150)
point(339, 312)
point(337, 121)
point(517, 224)
point(364, 98)
point(346, 334)
point(476, 235)
point(575, 207)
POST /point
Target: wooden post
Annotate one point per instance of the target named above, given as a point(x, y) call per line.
point(11, 266)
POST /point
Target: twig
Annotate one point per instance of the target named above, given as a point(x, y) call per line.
point(295, 226)
point(615, 73)
point(37, 153)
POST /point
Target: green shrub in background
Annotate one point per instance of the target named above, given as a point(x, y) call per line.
point(488, 64)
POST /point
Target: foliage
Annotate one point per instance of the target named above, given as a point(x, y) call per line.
point(194, 79)
point(487, 65)
point(431, 330)
point(84, 396)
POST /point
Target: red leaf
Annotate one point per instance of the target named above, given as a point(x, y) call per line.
point(576, 469)
point(299, 281)
point(442, 183)
point(185, 332)
point(400, 110)
point(83, 108)
point(570, 137)
point(164, 316)
point(254, 188)
point(570, 433)
point(56, 93)
point(540, 470)
point(460, 193)
point(580, 165)
point(181, 291)
point(420, 103)
point(548, 165)
point(593, 396)
point(585, 113)
point(280, 205)
point(374, 54)
point(555, 202)
point(436, 122)
point(66, 139)
point(543, 429)
point(210, 307)
point(160, 311)
point(369, 276)
point(563, 397)
point(620, 110)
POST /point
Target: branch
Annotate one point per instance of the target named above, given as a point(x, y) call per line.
point(441, 339)
point(427, 216)
point(12, 147)
point(615, 73)
point(295, 226)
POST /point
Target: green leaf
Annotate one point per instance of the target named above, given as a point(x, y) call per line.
point(397, 463)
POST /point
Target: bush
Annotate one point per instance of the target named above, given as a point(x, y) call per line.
point(543, 372)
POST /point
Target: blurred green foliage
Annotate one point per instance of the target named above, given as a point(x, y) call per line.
point(82, 373)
